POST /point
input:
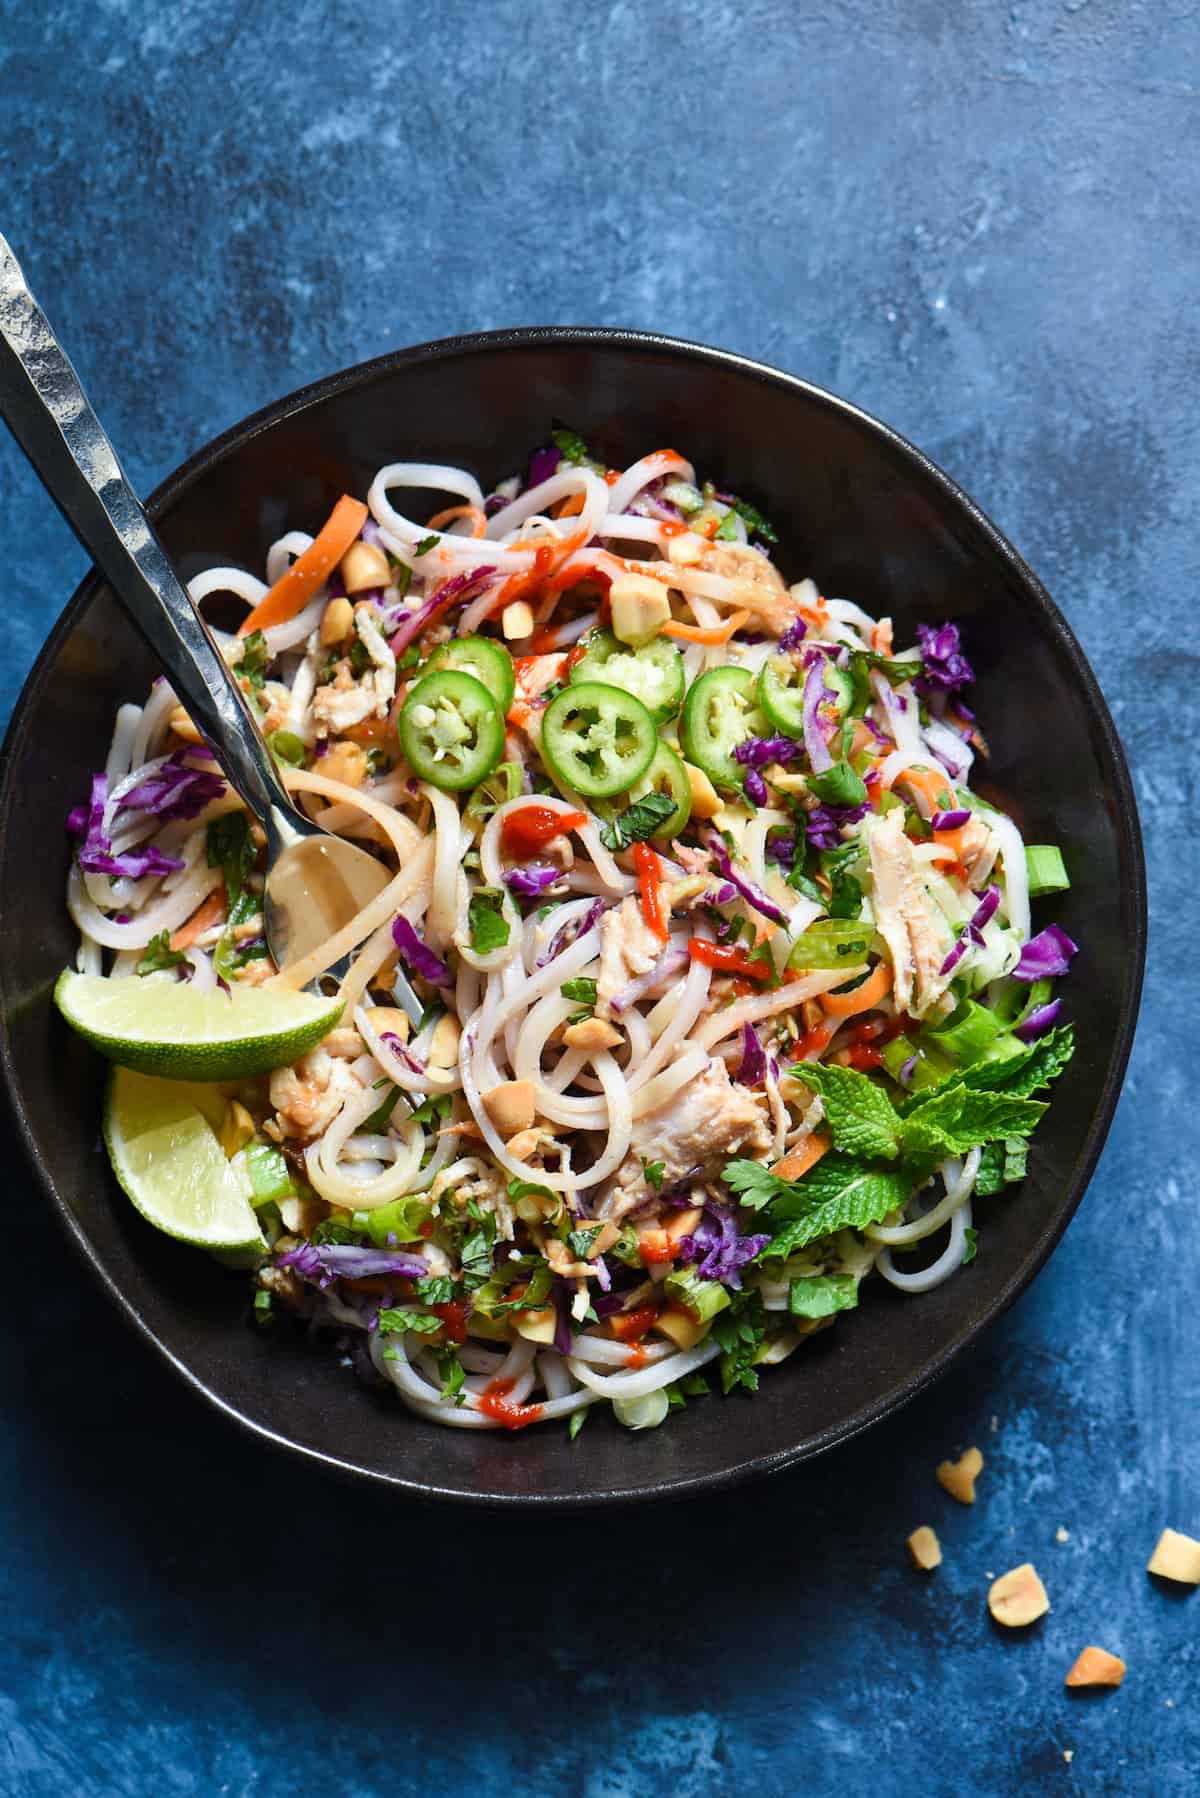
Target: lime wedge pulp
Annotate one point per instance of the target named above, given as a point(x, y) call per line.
point(166, 1028)
point(163, 1147)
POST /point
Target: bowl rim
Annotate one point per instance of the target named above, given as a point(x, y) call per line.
point(1129, 850)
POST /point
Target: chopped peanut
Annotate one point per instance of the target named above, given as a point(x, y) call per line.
point(1176, 1557)
point(591, 1033)
point(516, 621)
point(682, 1330)
point(958, 1477)
point(346, 762)
point(640, 608)
point(510, 1106)
point(237, 1127)
point(337, 622)
point(685, 550)
point(388, 1020)
point(1018, 1598)
point(344, 1044)
point(443, 1050)
point(365, 565)
point(706, 801)
point(925, 1549)
point(179, 722)
point(1096, 1667)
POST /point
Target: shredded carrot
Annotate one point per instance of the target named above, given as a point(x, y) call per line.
point(649, 871)
point(933, 786)
point(211, 911)
point(881, 637)
point(711, 634)
point(569, 507)
point(800, 1160)
point(873, 991)
point(440, 520)
point(293, 590)
point(952, 840)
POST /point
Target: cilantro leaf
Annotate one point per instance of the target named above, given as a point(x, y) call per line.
point(377, 1123)
point(862, 1119)
point(637, 823)
point(430, 1111)
point(425, 545)
point(397, 1319)
point(231, 848)
point(569, 444)
point(754, 1184)
point(451, 1373)
point(821, 1295)
point(740, 1330)
point(158, 955)
point(582, 1242)
point(840, 1192)
point(486, 921)
point(525, 1189)
point(255, 656)
point(1001, 1164)
point(652, 1172)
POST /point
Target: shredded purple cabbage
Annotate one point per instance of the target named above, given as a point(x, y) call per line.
point(530, 883)
point(1040, 1019)
point(973, 932)
point(417, 957)
point(945, 666)
point(907, 1070)
point(457, 589)
point(753, 895)
point(562, 1316)
point(755, 788)
point(793, 636)
point(326, 1261)
point(1045, 955)
point(176, 790)
point(819, 757)
point(950, 820)
point(824, 825)
point(781, 847)
point(400, 1048)
point(562, 939)
point(757, 752)
point(717, 1247)
point(542, 464)
point(95, 850)
point(754, 1060)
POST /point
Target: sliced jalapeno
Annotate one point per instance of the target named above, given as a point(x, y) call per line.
point(653, 674)
point(597, 739)
point(451, 730)
point(718, 714)
point(484, 660)
point(781, 692)
point(666, 774)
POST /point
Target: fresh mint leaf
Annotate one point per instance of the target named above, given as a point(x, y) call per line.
point(652, 1172)
point(426, 544)
point(569, 444)
point(956, 1118)
point(1020, 1075)
point(488, 926)
point(1001, 1164)
point(756, 524)
point(972, 1248)
point(582, 992)
point(581, 1242)
point(430, 1111)
point(476, 1258)
point(637, 823)
point(158, 955)
point(740, 1330)
point(840, 1193)
point(434, 1289)
point(526, 1189)
point(378, 1121)
point(839, 785)
point(451, 1373)
point(255, 656)
point(862, 1119)
point(726, 531)
point(395, 1320)
point(821, 1295)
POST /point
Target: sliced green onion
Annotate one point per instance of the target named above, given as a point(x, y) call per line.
point(701, 1299)
point(1046, 868)
point(287, 747)
point(270, 1175)
point(967, 1032)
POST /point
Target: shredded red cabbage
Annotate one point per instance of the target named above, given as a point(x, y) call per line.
point(322, 1262)
point(1040, 1019)
point(176, 790)
point(755, 788)
point(451, 592)
point(757, 752)
point(753, 895)
point(530, 883)
point(562, 939)
point(824, 825)
point(717, 1248)
point(950, 820)
point(754, 1060)
point(1045, 955)
point(398, 1047)
point(819, 757)
point(542, 464)
point(417, 957)
point(945, 666)
point(95, 850)
point(973, 933)
point(793, 636)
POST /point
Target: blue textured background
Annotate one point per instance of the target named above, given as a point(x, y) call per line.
point(978, 221)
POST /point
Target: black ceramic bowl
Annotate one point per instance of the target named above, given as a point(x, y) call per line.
point(866, 515)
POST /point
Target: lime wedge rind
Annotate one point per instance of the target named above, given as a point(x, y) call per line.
point(176, 1033)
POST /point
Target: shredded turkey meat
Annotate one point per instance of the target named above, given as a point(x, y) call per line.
point(914, 930)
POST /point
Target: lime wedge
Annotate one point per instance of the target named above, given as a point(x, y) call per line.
point(166, 1028)
point(163, 1147)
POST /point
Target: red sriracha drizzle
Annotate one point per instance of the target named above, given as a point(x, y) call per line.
point(525, 832)
point(454, 1316)
point(495, 1403)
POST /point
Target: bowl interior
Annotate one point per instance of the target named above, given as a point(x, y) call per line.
point(867, 517)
